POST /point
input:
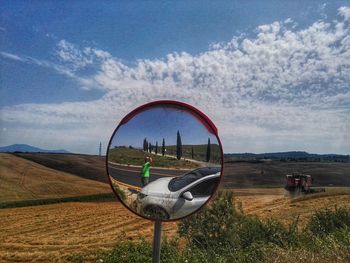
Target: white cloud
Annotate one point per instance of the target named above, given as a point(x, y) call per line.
point(12, 56)
point(281, 90)
point(345, 12)
point(86, 83)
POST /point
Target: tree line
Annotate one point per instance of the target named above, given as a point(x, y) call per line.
point(149, 147)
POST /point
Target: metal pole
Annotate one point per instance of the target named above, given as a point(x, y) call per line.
point(156, 241)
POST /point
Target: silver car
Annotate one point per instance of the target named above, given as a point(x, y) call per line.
point(176, 197)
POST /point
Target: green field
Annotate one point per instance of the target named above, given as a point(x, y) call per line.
point(199, 152)
point(136, 157)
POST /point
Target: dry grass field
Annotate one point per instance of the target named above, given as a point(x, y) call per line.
point(272, 173)
point(22, 179)
point(55, 232)
point(87, 166)
point(51, 233)
point(277, 202)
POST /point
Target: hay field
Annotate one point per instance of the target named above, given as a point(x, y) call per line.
point(87, 166)
point(279, 204)
point(22, 179)
point(52, 233)
point(272, 173)
point(55, 232)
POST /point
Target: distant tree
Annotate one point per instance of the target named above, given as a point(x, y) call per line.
point(156, 151)
point(178, 146)
point(149, 147)
point(145, 144)
point(163, 147)
point(208, 151)
point(192, 153)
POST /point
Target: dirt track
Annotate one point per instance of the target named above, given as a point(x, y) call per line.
point(50, 233)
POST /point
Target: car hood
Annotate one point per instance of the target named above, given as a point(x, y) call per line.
point(158, 187)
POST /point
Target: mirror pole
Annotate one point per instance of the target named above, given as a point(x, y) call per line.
point(156, 241)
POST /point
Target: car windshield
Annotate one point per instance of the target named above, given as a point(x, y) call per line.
point(179, 182)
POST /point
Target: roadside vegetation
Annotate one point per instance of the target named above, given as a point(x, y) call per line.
point(198, 152)
point(106, 197)
point(130, 156)
point(223, 233)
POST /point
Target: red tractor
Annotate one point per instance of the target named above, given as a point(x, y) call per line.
point(300, 183)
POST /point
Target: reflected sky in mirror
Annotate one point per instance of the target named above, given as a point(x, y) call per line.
point(163, 122)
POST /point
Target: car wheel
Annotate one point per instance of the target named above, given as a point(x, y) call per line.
point(156, 212)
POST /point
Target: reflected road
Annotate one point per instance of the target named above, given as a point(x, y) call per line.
point(131, 175)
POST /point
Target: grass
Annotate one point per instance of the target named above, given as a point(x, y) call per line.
point(34, 202)
point(199, 152)
point(136, 157)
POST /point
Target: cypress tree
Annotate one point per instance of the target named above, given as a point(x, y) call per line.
point(156, 147)
point(149, 147)
point(192, 153)
point(178, 146)
point(208, 151)
point(145, 144)
point(163, 147)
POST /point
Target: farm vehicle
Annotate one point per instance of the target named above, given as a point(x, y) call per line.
point(301, 183)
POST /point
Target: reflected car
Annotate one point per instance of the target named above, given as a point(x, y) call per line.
point(176, 197)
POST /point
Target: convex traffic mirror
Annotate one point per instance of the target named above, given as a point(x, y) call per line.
point(164, 160)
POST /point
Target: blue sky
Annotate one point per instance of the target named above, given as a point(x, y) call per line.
point(272, 75)
point(163, 122)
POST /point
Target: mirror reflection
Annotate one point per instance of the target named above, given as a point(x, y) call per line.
point(164, 162)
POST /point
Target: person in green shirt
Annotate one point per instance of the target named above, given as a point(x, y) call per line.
point(145, 171)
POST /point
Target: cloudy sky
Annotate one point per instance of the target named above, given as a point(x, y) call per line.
point(272, 75)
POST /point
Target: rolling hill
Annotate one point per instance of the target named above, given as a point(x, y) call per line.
point(27, 148)
point(22, 179)
point(91, 167)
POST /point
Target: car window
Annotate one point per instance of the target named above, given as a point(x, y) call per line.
point(205, 188)
point(182, 181)
point(179, 182)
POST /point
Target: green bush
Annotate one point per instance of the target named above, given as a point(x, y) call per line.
point(130, 252)
point(324, 222)
point(222, 227)
point(212, 225)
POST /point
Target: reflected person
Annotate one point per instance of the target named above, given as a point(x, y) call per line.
point(145, 171)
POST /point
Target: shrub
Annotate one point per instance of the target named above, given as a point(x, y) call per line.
point(222, 227)
point(212, 225)
point(326, 221)
point(130, 252)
